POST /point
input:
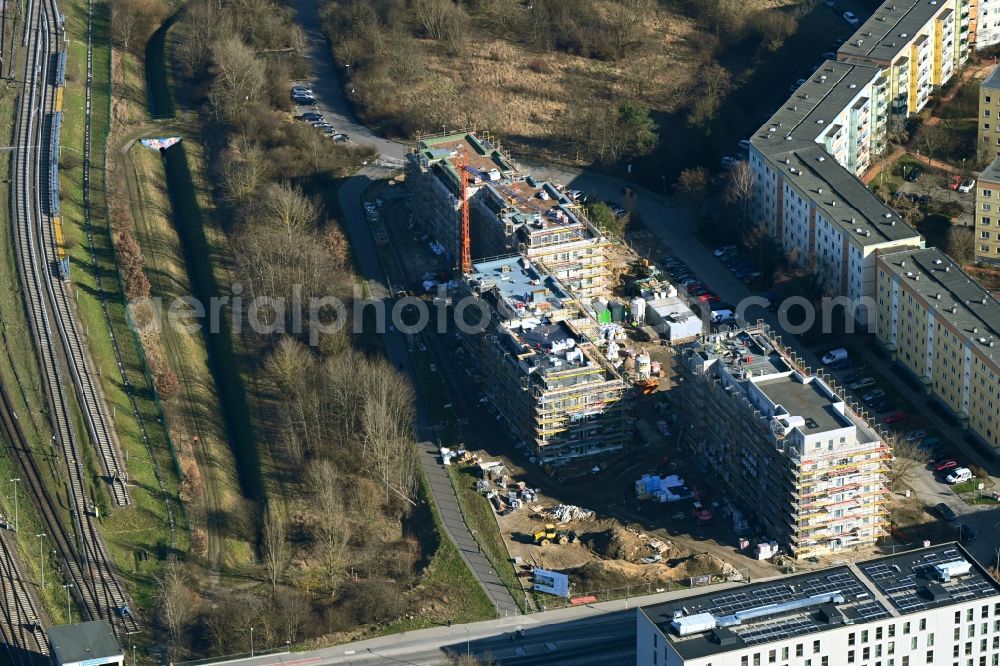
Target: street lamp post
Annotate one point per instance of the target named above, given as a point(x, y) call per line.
point(251, 641)
point(69, 614)
point(131, 644)
point(41, 556)
point(15, 482)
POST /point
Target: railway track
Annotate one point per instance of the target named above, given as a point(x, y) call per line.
point(20, 622)
point(85, 557)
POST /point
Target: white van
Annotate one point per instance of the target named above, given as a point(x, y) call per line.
point(959, 475)
point(723, 317)
point(835, 355)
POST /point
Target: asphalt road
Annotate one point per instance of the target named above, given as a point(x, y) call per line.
point(330, 99)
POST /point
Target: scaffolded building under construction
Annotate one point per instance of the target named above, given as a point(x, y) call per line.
point(550, 383)
point(510, 212)
point(799, 462)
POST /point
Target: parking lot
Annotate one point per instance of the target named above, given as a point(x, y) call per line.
point(937, 192)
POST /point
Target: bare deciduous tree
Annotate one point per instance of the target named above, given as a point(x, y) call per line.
point(245, 169)
point(282, 206)
point(275, 550)
point(175, 599)
point(739, 191)
point(624, 19)
point(240, 75)
point(908, 459)
point(133, 21)
point(962, 244)
point(333, 528)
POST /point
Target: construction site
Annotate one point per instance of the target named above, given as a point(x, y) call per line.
point(811, 473)
point(559, 364)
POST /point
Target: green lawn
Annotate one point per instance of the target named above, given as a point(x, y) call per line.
point(144, 527)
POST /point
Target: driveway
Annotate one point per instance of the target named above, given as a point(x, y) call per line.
point(330, 99)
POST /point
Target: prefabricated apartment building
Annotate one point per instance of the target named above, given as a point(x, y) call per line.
point(538, 263)
point(805, 468)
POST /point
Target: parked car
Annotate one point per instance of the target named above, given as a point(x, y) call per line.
point(728, 162)
point(930, 443)
point(873, 396)
point(946, 512)
point(967, 534)
point(884, 405)
point(834, 355)
point(946, 465)
point(914, 174)
point(707, 297)
point(695, 286)
point(304, 100)
point(954, 182)
point(312, 117)
point(966, 186)
point(301, 90)
point(719, 251)
point(340, 137)
point(863, 383)
point(852, 19)
point(744, 144)
point(915, 435)
point(897, 416)
point(958, 475)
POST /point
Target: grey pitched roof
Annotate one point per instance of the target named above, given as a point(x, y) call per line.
point(788, 140)
point(993, 80)
point(954, 295)
point(889, 29)
point(73, 643)
point(991, 174)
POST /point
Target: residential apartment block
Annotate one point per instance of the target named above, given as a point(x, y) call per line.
point(802, 467)
point(989, 113)
point(944, 327)
point(510, 212)
point(984, 27)
point(927, 607)
point(552, 385)
point(803, 163)
point(919, 43)
point(987, 229)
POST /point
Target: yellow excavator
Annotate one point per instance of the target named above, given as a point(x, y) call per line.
point(551, 535)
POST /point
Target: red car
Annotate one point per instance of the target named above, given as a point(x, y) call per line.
point(708, 298)
point(945, 465)
point(695, 287)
point(954, 182)
point(896, 417)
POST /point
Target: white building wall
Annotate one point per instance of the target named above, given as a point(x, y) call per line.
point(988, 25)
point(918, 639)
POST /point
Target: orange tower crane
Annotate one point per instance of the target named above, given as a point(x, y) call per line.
point(463, 194)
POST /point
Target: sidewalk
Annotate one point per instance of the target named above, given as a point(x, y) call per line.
point(442, 492)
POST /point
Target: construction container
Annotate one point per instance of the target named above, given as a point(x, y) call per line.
point(643, 366)
point(637, 308)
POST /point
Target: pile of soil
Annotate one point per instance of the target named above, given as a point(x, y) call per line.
point(609, 574)
point(618, 543)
